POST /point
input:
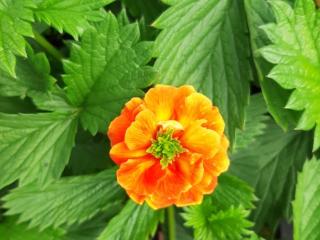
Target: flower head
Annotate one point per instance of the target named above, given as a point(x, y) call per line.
point(170, 147)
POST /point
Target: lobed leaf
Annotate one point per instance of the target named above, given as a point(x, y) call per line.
point(71, 16)
point(15, 17)
point(259, 13)
point(295, 50)
point(105, 70)
point(66, 201)
point(223, 214)
point(203, 43)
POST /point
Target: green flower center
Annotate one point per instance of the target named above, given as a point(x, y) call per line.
point(165, 147)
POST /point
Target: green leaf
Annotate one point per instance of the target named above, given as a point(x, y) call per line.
point(259, 13)
point(203, 43)
point(106, 70)
point(71, 16)
point(150, 10)
point(223, 214)
point(254, 122)
point(306, 206)
point(295, 50)
point(140, 222)
point(35, 147)
point(90, 154)
point(16, 105)
point(66, 201)
point(15, 18)
point(270, 165)
point(10, 230)
point(32, 74)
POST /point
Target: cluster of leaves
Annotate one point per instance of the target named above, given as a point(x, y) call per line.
point(56, 181)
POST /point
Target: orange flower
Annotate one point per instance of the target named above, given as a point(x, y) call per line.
point(170, 147)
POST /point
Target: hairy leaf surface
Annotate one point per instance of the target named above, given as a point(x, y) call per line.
point(203, 43)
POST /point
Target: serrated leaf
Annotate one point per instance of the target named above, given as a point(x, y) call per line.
point(35, 147)
point(105, 70)
point(223, 214)
point(270, 165)
point(254, 122)
point(203, 43)
point(10, 230)
point(140, 221)
point(66, 201)
point(295, 51)
point(259, 13)
point(15, 18)
point(71, 16)
point(32, 74)
point(306, 206)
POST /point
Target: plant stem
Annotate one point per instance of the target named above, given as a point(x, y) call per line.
point(171, 223)
point(47, 46)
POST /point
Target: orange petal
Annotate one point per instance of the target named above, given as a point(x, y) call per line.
point(215, 121)
point(141, 131)
point(197, 106)
point(139, 199)
point(158, 201)
point(173, 183)
point(207, 185)
point(119, 125)
point(140, 175)
point(120, 153)
point(191, 166)
point(220, 162)
point(161, 100)
point(201, 140)
point(191, 197)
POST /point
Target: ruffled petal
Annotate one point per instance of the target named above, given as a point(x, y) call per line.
point(141, 131)
point(220, 162)
point(191, 167)
point(191, 197)
point(120, 153)
point(140, 176)
point(201, 140)
point(197, 106)
point(119, 125)
point(161, 101)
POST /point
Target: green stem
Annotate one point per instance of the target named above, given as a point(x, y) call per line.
point(171, 223)
point(47, 46)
